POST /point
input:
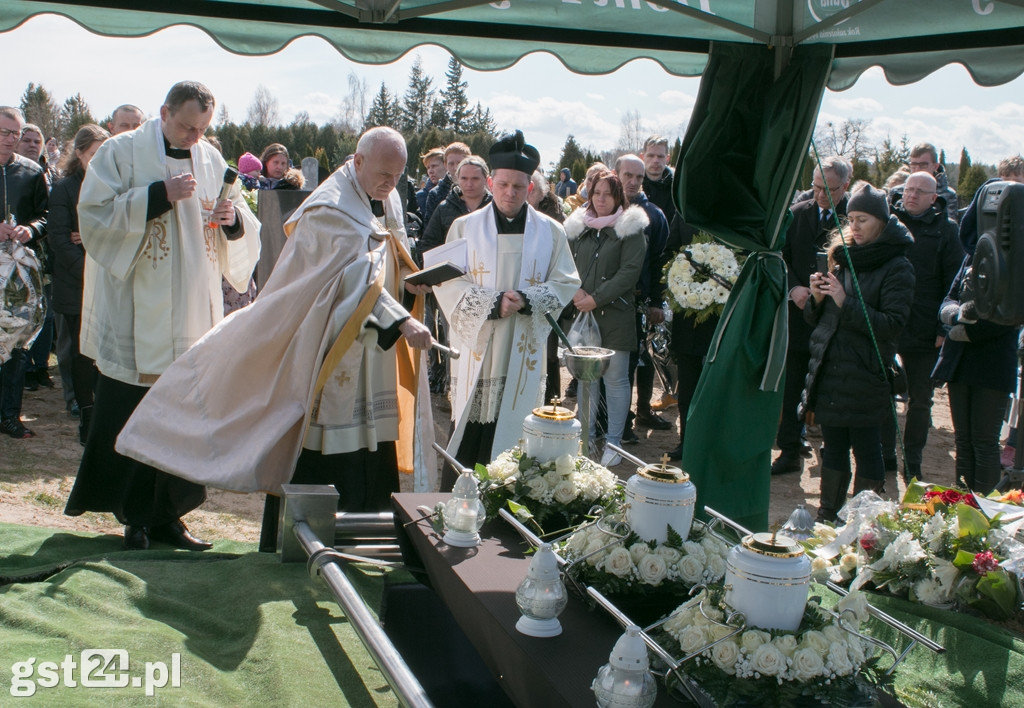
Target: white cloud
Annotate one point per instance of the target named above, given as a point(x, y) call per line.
point(547, 121)
point(677, 98)
point(595, 96)
point(855, 107)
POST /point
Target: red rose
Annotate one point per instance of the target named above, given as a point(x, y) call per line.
point(984, 562)
point(867, 541)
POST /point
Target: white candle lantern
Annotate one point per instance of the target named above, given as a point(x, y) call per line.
point(626, 681)
point(464, 513)
point(541, 596)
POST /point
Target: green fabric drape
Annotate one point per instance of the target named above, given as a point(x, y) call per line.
point(744, 146)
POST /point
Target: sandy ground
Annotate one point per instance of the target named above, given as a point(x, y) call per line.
point(36, 475)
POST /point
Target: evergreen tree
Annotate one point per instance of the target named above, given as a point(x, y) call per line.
point(454, 99)
point(418, 102)
point(965, 166)
point(74, 114)
point(39, 107)
point(970, 181)
point(571, 154)
point(482, 121)
point(383, 111)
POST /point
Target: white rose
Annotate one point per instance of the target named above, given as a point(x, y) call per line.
point(752, 639)
point(618, 562)
point(768, 660)
point(856, 648)
point(824, 532)
point(819, 568)
point(715, 568)
point(690, 570)
point(807, 664)
point(692, 548)
point(725, 655)
point(714, 546)
point(671, 555)
point(502, 468)
point(848, 562)
point(538, 487)
point(652, 569)
point(638, 551)
point(839, 660)
point(692, 639)
point(565, 492)
point(856, 603)
point(593, 546)
point(786, 643)
point(565, 464)
point(815, 640)
point(553, 478)
point(834, 635)
point(577, 542)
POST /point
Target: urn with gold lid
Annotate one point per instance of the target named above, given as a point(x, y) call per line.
point(767, 577)
point(550, 432)
point(659, 496)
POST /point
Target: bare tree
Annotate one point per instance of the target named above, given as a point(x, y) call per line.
point(847, 139)
point(263, 109)
point(354, 106)
point(632, 133)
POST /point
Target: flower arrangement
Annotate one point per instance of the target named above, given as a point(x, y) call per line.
point(623, 564)
point(21, 298)
point(757, 667)
point(562, 491)
point(700, 277)
point(936, 548)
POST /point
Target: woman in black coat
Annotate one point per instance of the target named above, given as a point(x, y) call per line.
point(846, 385)
point(978, 362)
point(69, 261)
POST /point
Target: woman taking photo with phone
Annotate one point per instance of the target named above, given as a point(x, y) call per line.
point(847, 387)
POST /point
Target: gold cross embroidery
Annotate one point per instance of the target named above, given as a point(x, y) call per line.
point(535, 278)
point(478, 270)
point(342, 377)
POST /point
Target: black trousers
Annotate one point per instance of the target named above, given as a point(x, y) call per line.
point(788, 437)
point(135, 493)
point(83, 369)
point(977, 419)
point(919, 366)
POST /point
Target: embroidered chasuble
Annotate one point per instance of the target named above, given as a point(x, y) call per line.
point(313, 362)
point(500, 375)
point(153, 287)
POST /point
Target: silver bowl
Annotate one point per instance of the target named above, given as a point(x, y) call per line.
point(588, 363)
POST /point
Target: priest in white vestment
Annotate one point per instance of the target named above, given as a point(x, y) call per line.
point(158, 239)
point(520, 268)
point(318, 381)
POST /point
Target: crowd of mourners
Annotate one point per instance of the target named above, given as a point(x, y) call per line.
point(875, 275)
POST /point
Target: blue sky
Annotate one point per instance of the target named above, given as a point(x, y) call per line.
point(537, 95)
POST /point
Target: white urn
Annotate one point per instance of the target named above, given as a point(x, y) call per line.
point(767, 578)
point(550, 432)
point(659, 496)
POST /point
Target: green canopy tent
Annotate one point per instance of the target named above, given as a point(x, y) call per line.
point(765, 65)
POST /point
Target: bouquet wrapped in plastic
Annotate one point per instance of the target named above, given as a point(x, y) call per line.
point(21, 298)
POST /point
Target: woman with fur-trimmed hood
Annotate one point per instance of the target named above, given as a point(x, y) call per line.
point(607, 241)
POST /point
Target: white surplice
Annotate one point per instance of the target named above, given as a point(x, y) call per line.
point(236, 409)
point(153, 288)
point(500, 375)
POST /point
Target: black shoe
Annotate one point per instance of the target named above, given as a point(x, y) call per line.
point(911, 471)
point(14, 428)
point(177, 534)
point(891, 464)
point(136, 538)
point(42, 377)
point(806, 451)
point(570, 390)
point(629, 437)
point(675, 453)
point(652, 420)
point(73, 410)
point(785, 465)
point(30, 381)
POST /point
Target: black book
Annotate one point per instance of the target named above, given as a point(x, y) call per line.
point(436, 274)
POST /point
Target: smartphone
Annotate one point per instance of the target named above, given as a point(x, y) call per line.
point(821, 260)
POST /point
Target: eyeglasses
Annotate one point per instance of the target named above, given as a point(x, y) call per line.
point(824, 187)
point(4, 133)
point(917, 192)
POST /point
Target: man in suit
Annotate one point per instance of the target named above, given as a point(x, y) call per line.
point(813, 221)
